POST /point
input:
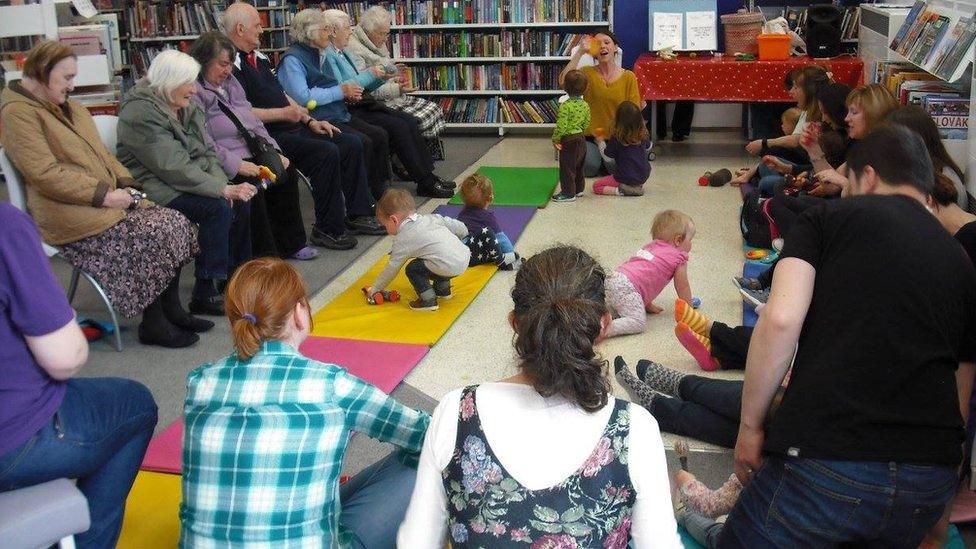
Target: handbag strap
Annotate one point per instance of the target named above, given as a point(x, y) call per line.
point(245, 133)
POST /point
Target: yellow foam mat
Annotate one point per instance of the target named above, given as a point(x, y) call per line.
point(349, 316)
point(152, 512)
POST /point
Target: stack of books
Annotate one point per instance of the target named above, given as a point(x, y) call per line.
point(437, 12)
point(935, 41)
point(948, 105)
point(464, 77)
point(459, 110)
point(521, 43)
point(529, 112)
point(152, 19)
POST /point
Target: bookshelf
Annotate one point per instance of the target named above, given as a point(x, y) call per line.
point(481, 60)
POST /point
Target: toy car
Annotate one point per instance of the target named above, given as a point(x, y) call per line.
point(378, 298)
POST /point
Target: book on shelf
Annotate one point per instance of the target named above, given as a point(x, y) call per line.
point(438, 12)
point(951, 116)
point(119, 56)
point(939, 42)
point(151, 19)
point(497, 76)
point(514, 43)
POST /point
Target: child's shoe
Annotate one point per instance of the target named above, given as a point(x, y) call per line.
point(564, 197)
point(579, 194)
point(443, 293)
point(424, 305)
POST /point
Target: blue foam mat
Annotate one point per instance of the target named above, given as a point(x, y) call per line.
point(751, 269)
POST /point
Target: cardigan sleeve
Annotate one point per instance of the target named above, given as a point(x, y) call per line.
point(28, 149)
point(389, 89)
point(291, 75)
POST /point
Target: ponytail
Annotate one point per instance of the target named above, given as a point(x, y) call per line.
point(259, 300)
point(559, 307)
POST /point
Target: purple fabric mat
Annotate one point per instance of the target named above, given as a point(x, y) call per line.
point(512, 219)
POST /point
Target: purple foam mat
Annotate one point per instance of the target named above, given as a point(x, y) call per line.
point(513, 219)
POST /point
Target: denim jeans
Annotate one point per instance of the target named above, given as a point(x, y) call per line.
point(98, 436)
point(375, 501)
point(224, 235)
point(768, 180)
point(705, 530)
point(421, 277)
point(802, 502)
point(593, 161)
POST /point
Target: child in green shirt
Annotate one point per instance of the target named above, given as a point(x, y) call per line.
point(572, 121)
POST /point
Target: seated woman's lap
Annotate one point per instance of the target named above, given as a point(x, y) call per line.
point(375, 500)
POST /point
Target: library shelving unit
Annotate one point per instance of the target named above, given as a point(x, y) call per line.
point(478, 58)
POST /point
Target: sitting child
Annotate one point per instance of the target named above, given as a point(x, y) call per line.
point(432, 241)
point(632, 287)
point(572, 120)
point(477, 193)
point(627, 149)
point(789, 120)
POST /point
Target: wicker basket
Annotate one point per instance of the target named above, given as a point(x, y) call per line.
point(741, 31)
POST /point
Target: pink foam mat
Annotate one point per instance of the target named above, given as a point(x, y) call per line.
point(382, 364)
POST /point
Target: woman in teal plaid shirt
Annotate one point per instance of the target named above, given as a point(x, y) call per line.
point(267, 429)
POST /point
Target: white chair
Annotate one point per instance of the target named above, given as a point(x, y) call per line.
point(43, 515)
point(107, 125)
point(18, 198)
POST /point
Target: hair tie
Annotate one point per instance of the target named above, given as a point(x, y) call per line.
point(250, 318)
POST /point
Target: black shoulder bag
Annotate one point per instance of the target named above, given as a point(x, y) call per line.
point(262, 151)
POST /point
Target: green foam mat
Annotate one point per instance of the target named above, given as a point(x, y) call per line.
point(519, 186)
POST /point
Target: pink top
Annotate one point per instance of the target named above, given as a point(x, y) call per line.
point(652, 267)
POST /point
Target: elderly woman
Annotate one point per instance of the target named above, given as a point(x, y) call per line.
point(163, 141)
point(305, 77)
point(87, 203)
point(276, 217)
point(367, 48)
point(609, 85)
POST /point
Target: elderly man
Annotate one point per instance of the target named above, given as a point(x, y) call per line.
point(318, 149)
point(866, 443)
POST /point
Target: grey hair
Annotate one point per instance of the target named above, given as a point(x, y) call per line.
point(336, 19)
point(375, 18)
point(170, 70)
point(234, 15)
point(305, 23)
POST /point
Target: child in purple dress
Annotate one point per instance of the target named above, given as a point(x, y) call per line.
point(626, 151)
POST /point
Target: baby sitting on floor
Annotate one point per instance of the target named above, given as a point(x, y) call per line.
point(478, 193)
point(631, 288)
point(432, 241)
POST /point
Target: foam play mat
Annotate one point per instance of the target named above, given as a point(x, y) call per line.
point(348, 316)
point(152, 512)
point(382, 364)
point(751, 269)
point(512, 219)
point(519, 186)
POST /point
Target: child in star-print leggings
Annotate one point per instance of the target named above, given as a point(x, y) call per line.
point(485, 237)
point(484, 248)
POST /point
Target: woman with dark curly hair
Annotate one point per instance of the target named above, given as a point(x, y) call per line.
point(563, 439)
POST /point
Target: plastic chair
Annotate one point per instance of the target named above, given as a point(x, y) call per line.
point(107, 125)
point(18, 198)
point(43, 515)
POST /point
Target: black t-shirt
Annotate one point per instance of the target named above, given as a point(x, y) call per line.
point(966, 236)
point(893, 313)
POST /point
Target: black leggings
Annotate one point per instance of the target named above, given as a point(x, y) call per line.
point(405, 140)
point(704, 408)
point(786, 209)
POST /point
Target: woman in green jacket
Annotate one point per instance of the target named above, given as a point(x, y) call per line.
point(164, 143)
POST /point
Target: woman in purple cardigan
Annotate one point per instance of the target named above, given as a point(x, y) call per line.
point(277, 228)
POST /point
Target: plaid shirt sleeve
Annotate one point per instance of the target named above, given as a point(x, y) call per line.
point(374, 413)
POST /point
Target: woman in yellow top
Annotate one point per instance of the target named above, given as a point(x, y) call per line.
point(609, 85)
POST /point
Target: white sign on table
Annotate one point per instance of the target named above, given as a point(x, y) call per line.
point(668, 30)
point(702, 33)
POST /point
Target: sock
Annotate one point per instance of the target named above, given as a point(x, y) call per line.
point(658, 377)
point(644, 394)
point(684, 312)
point(700, 347)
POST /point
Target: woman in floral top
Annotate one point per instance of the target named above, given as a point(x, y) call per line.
point(541, 459)
point(266, 434)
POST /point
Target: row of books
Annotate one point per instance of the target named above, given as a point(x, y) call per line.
point(948, 105)
point(142, 56)
point(495, 110)
point(275, 39)
point(150, 19)
point(431, 12)
point(518, 43)
point(502, 76)
point(271, 19)
point(936, 41)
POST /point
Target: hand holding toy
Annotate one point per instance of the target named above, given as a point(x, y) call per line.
point(378, 298)
point(267, 177)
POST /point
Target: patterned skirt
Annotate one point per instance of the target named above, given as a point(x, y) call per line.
point(136, 259)
point(428, 113)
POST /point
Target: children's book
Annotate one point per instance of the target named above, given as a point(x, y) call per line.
point(960, 49)
point(908, 24)
point(950, 115)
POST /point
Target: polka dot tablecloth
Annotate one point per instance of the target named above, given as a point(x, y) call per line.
point(725, 79)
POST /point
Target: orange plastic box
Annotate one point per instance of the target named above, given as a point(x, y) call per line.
point(774, 46)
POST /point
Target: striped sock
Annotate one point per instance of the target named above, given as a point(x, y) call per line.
point(700, 347)
point(684, 312)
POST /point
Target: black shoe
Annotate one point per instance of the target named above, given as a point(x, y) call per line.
point(191, 323)
point(424, 305)
point(210, 306)
point(342, 242)
point(365, 224)
point(434, 190)
point(678, 138)
point(446, 183)
point(444, 293)
point(166, 335)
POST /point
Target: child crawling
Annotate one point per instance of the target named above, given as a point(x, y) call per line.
point(431, 243)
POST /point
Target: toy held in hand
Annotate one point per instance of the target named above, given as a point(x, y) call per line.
point(593, 48)
point(311, 104)
point(378, 298)
point(600, 133)
point(390, 69)
point(267, 177)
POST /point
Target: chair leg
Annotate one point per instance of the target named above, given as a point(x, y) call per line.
point(73, 286)
point(111, 310)
point(67, 543)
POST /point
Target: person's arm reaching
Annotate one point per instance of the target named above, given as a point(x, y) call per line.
point(769, 356)
point(398, 256)
point(459, 229)
point(682, 286)
point(964, 384)
point(575, 59)
point(375, 414)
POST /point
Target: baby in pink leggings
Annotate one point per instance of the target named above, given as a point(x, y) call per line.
point(631, 289)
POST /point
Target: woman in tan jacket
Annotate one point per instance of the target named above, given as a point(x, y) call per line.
point(86, 203)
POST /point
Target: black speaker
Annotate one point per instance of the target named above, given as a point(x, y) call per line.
point(822, 30)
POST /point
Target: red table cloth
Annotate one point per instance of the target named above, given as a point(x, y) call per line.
point(725, 79)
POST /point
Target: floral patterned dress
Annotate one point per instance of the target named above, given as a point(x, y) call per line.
point(489, 508)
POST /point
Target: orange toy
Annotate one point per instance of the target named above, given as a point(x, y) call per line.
point(594, 47)
point(756, 254)
point(600, 132)
point(378, 298)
